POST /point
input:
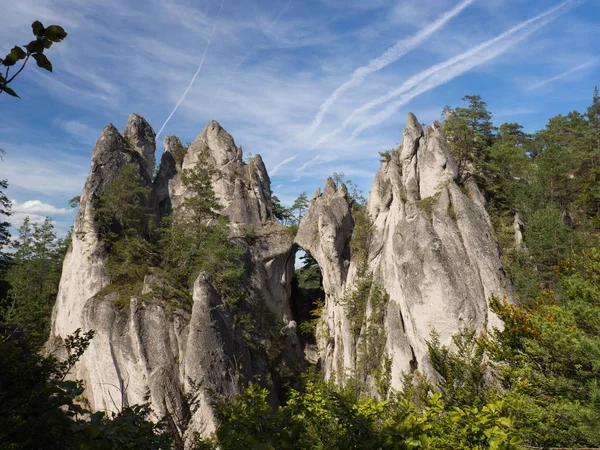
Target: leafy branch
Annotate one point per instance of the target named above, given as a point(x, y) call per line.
point(45, 37)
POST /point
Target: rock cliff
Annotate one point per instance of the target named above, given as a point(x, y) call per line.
point(429, 256)
point(172, 354)
point(420, 256)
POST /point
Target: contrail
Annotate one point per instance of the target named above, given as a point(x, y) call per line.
point(197, 71)
point(282, 163)
point(391, 55)
point(309, 163)
point(472, 52)
point(562, 75)
point(464, 63)
point(448, 69)
point(241, 63)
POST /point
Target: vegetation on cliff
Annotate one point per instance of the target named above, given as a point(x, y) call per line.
point(534, 382)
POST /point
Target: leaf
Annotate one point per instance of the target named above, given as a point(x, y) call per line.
point(35, 46)
point(55, 33)
point(38, 28)
point(9, 91)
point(18, 52)
point(42, 61)
point(15, 55)
point(47, 43)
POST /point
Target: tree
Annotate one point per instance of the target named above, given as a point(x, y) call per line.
point(40, 407)
point(300, 206)
point(5, 205)
point(593, 116)
point(44, 38)
point(469, 132)
point(280, 212)
point(33, 275)
point(195, 238)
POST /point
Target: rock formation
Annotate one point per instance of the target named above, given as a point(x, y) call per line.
point(172, 356)
point(420, 257)
point(429, 247)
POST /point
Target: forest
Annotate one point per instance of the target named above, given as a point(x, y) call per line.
point(534, 383)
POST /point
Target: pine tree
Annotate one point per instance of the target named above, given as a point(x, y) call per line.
point(593, 116)
point(33, 275)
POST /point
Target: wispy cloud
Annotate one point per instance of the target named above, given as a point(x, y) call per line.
point(391, 55)
point(252, 50)
point(83, 132)
point(197, 71)
point(281, 164)
point(448, 70)
point(562, 75)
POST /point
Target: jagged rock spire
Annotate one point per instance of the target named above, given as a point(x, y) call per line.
point(140, 137)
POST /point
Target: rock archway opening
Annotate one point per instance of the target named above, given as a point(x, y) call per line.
point(308, 295)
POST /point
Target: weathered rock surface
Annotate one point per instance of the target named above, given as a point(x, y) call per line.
point(430, 248)
point(83, 269)
point(172, 354)
point(244, 190)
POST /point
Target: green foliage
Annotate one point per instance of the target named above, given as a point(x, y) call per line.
point(549, 179)
point(74, 202)
point(189, 247)
point(385, 156)
point(33, 274)
point(469, 131)
point(361, 234)
point(202, 205)
point(426, 204)
point(39, 405)
point(122, 209)
point(462, 372)
point(5, 206)
point(280, 212)
point(548, 357)
point(123, 220)
point(311, 326)
point(197, 240)
point(44, 38)
point(321, 416)
point(179, 153)
point(300, 207)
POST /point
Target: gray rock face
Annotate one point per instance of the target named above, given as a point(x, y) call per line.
point(83, 269)
point(171, 358)
point(172, 353)
point(141, 138)
point(243, 190)
point(431, 249)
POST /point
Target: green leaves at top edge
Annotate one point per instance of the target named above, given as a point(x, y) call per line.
point(54, 33)
point(36, 46)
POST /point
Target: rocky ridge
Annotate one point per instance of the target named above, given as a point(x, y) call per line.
point(424, 255)
point(430, 248)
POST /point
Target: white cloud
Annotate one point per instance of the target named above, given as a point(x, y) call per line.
point(83, 132)
point(37, 207)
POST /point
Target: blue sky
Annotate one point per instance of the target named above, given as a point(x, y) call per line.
point(314, 86)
